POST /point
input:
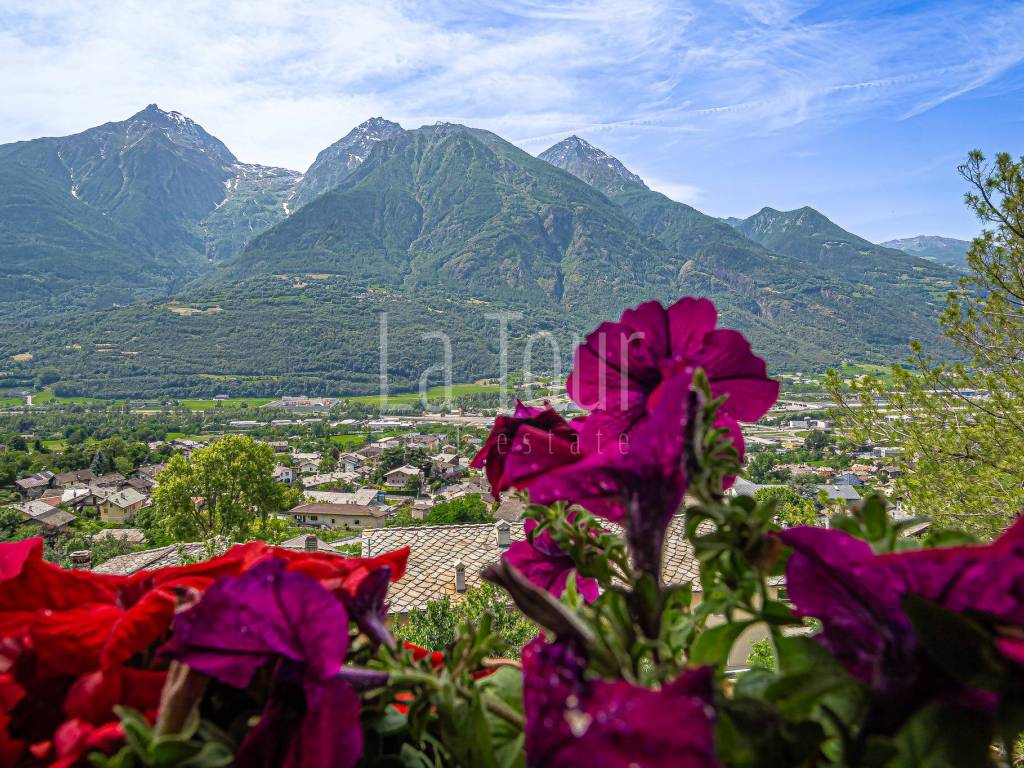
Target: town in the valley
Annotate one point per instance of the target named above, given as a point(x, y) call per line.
point(359, 479)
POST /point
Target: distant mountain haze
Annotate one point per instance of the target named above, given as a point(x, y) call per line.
point(217, 273)
point(945, 250)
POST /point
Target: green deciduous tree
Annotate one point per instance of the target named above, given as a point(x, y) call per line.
point(961, 425)
point(790, 507)
point(397, 456)
point(761, 468)
point(434, 626)
point(223, 490)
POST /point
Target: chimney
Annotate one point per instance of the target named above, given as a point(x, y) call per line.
point(81, 559)
point(503, 532)
point(310, 543)
point(460, 577)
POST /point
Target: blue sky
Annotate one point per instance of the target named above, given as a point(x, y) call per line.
point(860, 109)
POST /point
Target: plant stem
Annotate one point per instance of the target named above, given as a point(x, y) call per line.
point(500, 709)
point(494, 706)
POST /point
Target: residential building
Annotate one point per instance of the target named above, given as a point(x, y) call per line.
point(127, 535)
point(121, 505)
point(325, 515)
point(33, 486)
point(109, 480)
point(307, 466)
point(362, 496)
point(839, 492)
point(398, 477)
point(54, 519)
point(68, 479)
point(308, 542)
point(150, 559)
point(848, 478)
point(149, 471)
point(283, 474)
point(328, 478)
point(352, 462)
point(47, 516)
point(437, 552)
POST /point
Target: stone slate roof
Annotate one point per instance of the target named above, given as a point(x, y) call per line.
point(130, 535)
point(839, 492)
point(299, 544)
point(125, 565)
point(55, 518)
point(348, 510)
point(435, 549)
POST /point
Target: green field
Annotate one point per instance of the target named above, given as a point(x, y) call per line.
point(9, 402)
point(231, 402)
point(434, 393)
point(47, 396)
point(349, 442)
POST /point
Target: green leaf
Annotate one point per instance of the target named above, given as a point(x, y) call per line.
point(875, 518)
point(165, 752)
point(713, 645)
point(801, 653)
point(505, 684)
point(413, 758)
point(210, 755)
point(946, 537)
point(944, 736)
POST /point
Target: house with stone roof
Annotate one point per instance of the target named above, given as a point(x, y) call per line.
point(68, 479)
point(49, 516)
point(325, 515)
point(33, 486)
point(121, 505)
point(398, 477)
point(161, 557)
point(446, 560)
point(182, 554)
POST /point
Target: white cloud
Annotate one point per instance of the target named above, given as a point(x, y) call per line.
point(278, 81)
point(681, 193)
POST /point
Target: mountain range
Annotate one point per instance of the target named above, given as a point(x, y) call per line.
point(143, 258)
point(945, 250)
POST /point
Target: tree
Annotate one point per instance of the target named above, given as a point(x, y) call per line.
point(225, 490)
point(790, 507)
point(328, 463)
point(123, 465)
point(961, 425)
point(434, 627)
point(11, 525)
point(804, 485)
point(760, 468)
point(392, 458)
point(99, 463)
point(817, 441)
point(467, 509)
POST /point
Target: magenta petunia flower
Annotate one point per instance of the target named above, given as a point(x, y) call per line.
point(545, 564)
point(573, 720)
point(857, 597)
point(494, 454)
point(270, 615)
point(622, 369)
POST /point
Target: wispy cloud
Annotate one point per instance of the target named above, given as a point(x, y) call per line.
point(278, 81)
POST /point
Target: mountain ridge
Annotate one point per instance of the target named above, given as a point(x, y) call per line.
point(443, 227)
point(950, 251)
